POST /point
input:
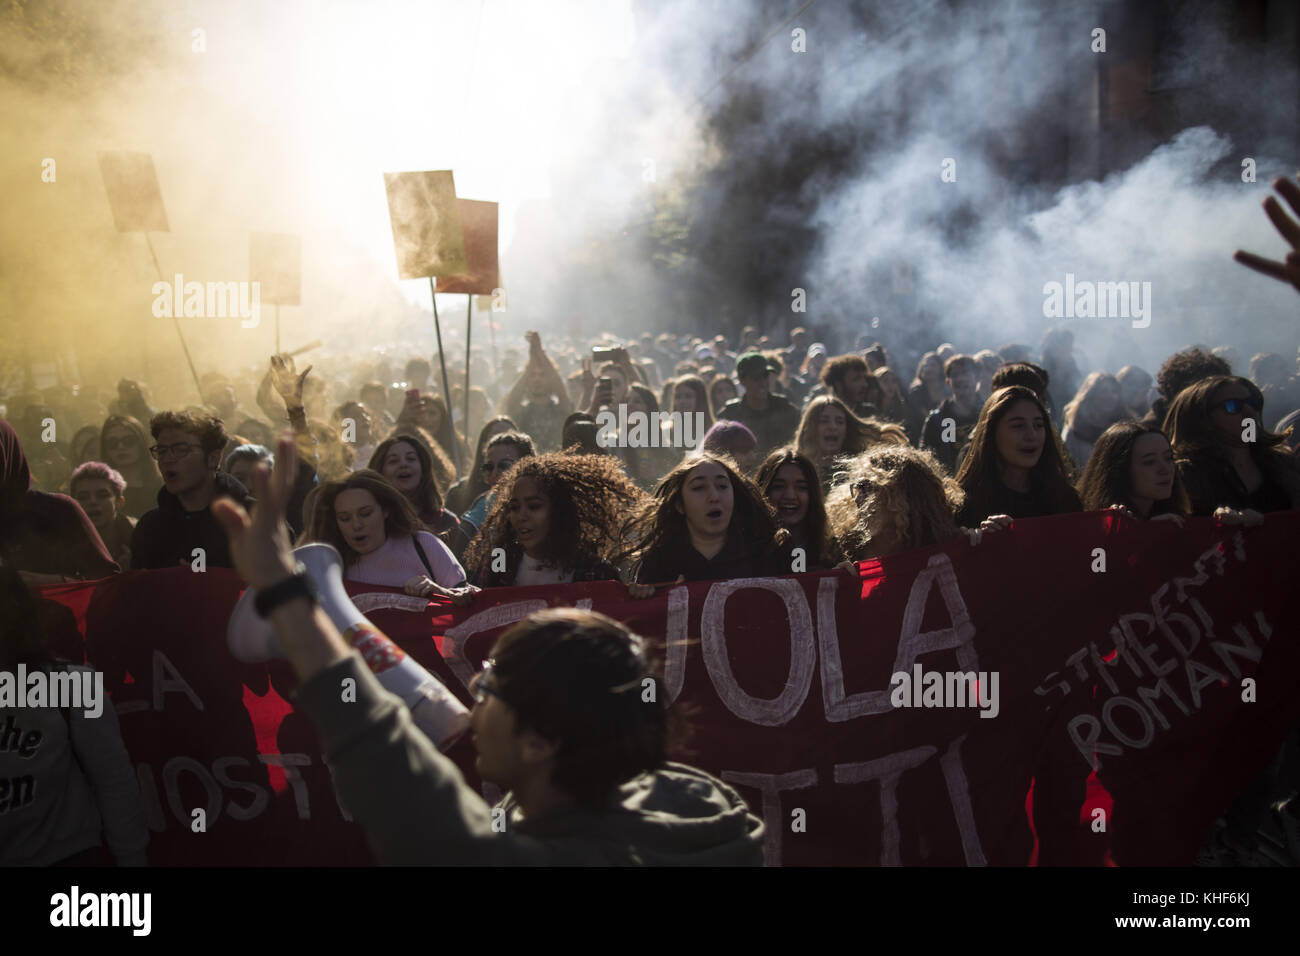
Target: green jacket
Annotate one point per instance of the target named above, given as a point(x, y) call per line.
point(417, 809)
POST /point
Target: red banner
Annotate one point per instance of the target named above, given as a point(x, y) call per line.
point(1158, 655)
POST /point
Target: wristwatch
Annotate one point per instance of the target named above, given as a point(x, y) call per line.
point(299, 585)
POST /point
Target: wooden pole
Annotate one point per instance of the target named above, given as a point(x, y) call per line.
point(446, 388)
point(176, 322)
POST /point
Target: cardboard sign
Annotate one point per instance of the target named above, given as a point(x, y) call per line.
point(426, 224)
point(478, 220)
point(133, 193)
point(275, 261)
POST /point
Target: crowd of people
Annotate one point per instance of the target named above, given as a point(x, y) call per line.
point(771, 446)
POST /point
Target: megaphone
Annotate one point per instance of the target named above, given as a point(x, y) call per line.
point(435, 710)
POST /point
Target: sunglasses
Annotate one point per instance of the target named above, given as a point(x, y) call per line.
point(860, 490)
point(1234, 406)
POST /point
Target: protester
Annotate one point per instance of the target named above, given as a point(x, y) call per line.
point(1031, 376)
point(847, 378)
point(771, 418)
point(74, 786)
point(896, 498)
point(240, 460)
point(556, 520)
point(85, 445)
point(356, 428)
point(376, 530)
point(894, 406)
point(1226, 457)
point(125, 443)
point(1058, 358)
point(721, 391)
point(732, 440)
point(706, 522)
point(645, 459)
point(1015, 465)
point(499, 456)
point(1098, 405)
point(584, 769)
point(790, 481)
point(406, 462)
point(181, 530)
point(1180, 370)
point(538, 401)
point(948, 426)
point(828, 430)
point(690, 397)
point(582, 435)
point(462, 495)
point(101, 493)
point(1132, 465)
point(44, 536)
point(987, 363)
point(1135, 388)
point(927, 390)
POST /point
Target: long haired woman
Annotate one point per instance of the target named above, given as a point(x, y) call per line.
point(1016, 465)
point(556, 519)
point(791, 483)
point(706, 521)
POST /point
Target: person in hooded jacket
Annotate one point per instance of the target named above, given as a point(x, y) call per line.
point(187, 446)
point(558, 722)
point(45, 537)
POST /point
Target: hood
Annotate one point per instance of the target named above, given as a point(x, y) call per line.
point(15, 475)
point(676, 816)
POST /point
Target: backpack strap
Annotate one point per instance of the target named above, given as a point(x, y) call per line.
point(424, 558)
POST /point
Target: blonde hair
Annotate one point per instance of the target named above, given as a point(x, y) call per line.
point(908, 493)
point(859, 433)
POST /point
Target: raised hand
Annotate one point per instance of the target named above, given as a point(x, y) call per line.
point(288, 381)
point(1288, 271)
point(259, 545)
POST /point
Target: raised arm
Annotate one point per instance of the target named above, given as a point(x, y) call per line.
point(1288, 228)
point(412, 802)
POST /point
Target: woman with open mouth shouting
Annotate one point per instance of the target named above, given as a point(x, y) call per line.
point(706, 522)
point(381, 540)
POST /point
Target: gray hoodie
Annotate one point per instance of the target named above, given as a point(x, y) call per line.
point(417, 809)
point(67, 778)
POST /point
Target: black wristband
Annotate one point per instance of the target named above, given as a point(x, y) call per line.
point(300, 585)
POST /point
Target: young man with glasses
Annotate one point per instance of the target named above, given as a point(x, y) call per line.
point(187, 446)
point(561, 721)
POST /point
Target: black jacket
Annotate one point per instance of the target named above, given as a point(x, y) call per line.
point(168, 535)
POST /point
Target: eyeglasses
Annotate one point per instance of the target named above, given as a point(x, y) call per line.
point(122, 441)
point(479, 686)
point(179, 450)
point(489, 467)
point(1234, 406)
